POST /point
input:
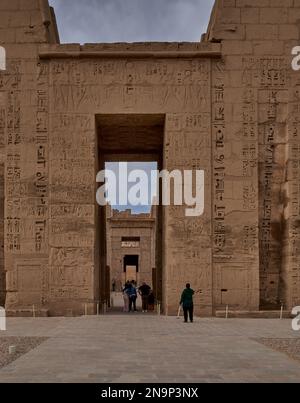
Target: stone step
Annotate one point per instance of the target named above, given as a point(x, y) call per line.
point(27, 313)
point(253, 314)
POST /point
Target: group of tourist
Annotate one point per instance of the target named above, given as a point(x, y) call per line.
point(130, 295)
point(131, 292)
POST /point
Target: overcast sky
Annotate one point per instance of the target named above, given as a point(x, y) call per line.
point(149, 191)
point(87, 21)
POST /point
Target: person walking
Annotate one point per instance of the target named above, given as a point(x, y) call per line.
point(126, 297)
point(144, 292)
point(188, 303)
point(132, 294)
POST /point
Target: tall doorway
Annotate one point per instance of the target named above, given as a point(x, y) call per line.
point(133, 139)
point(131, 268)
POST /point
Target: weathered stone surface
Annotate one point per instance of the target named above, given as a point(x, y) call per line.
point(228, 105)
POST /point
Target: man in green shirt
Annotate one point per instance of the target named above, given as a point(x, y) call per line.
point(188, 303)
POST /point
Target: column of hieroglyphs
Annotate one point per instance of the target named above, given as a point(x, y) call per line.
point(2, 196)
point(73, 193)
point(291, 262)
point(291, 275)
point(234, 135)
point(257, 38)
point(187, 147)
point(272, 107)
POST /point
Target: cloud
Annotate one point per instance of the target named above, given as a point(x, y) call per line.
point(91, 21)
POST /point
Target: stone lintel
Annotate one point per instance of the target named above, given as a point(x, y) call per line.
point(133, 55)
point(135, 51)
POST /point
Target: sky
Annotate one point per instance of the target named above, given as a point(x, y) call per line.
point(91, 21)
point(150, 188)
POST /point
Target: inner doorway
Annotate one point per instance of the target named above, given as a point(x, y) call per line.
point(131, 268)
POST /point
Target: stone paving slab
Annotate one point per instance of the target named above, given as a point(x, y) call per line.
point(11, 348)
point(140, 348)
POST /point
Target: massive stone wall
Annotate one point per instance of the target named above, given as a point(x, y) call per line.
point(51, 156)
point(82, 89)
point(23, 147)
point(235, 116)
point(260, 141)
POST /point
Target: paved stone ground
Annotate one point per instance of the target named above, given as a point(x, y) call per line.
point(291, 347)
point(22, 346)
point(140, 348)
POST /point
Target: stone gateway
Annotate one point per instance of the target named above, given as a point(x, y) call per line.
point(228, 105)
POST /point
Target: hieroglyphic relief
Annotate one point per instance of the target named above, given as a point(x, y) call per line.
point(188, 145)
point(71, 272)
point(266, 80)
point(72, 154)
point(272, 104)
point(291, 275)
point(2, 119)
point(13, 184)
point(249, 157)
point(41, 183)
point(235, 191)
point(219, 167)
point(72, 181)
point(83, 88)
point(223, 124)
point(104, 84)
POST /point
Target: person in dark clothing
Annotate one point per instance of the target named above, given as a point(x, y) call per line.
point(132, 294)
point(126, 297)
point(127, 285)
point(188, 303)
point(144, 292)
point(151, 301)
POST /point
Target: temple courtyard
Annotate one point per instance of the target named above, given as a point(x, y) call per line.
point(148, 348)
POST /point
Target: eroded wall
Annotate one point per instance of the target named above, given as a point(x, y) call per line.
point(180, 89)
point(23, 137)
point(235, 116)
point(261, 147)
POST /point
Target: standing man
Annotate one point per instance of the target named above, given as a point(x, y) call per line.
point(132, 294)
point(188, 303)
point(144, 292)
